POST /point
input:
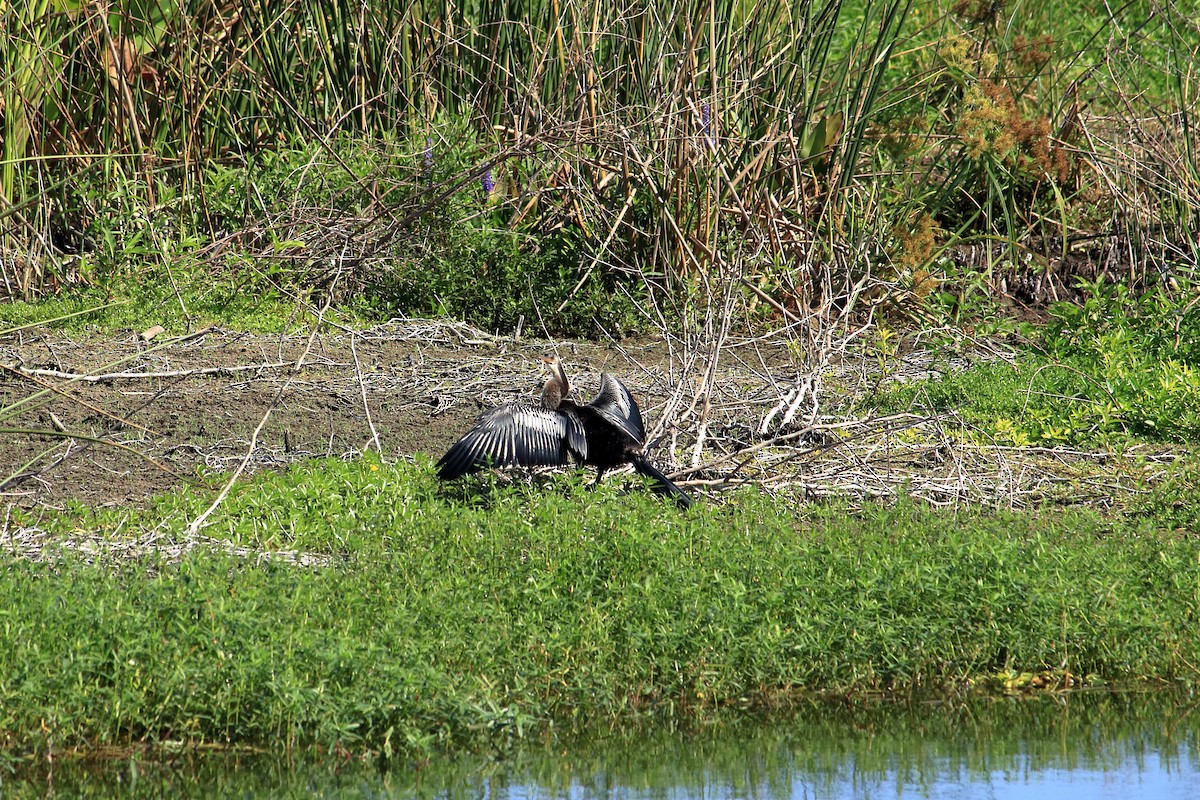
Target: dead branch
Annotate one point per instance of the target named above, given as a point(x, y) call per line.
point(125, 376)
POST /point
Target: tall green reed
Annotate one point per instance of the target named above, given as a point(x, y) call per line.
point(27, 66)
point(660, 134)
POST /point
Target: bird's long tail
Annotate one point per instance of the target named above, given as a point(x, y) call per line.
point(662, 484)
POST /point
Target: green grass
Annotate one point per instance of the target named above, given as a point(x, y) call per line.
point(293, 229)
point(1035, 401)
point(444, 615)
point(1044, 401)
point(140, 301)
point(1116, 370)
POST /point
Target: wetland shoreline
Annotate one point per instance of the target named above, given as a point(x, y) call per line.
point(429, 618)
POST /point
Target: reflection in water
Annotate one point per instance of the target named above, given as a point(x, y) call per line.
point(1108, 745)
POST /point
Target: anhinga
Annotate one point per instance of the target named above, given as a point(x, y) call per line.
point(605, 433)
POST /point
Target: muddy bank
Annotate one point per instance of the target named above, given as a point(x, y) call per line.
point(413, 386)
point(405, 389)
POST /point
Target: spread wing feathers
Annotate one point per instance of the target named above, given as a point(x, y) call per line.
point(616, 404)
point(516, 435)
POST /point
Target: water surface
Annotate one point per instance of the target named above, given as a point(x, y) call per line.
point(1084, 745)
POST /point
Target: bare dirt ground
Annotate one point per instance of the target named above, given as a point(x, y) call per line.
point(413, 386)
point(197, 403)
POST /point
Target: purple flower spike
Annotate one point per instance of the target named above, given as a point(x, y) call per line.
point(488, 182)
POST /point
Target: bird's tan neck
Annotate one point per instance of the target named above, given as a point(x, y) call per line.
point(552, 394)
point(557, 388)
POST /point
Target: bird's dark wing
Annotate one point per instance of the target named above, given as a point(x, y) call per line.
point(616, 404)
point(514, 435)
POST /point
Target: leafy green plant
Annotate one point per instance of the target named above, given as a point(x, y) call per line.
point(1120, 367)
point(428, 616)
point(1142, 350)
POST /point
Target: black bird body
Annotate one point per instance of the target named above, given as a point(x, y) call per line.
point(605, 433)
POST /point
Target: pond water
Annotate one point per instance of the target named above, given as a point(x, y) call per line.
point(1084, 745)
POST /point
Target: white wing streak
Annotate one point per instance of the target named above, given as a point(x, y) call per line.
point(516, 434)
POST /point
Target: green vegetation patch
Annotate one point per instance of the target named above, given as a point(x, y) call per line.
point(1117, 369)
point(305, 227)
point(187, 300)
point(390, 170)
point(1035, 400)
point(439, 615)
